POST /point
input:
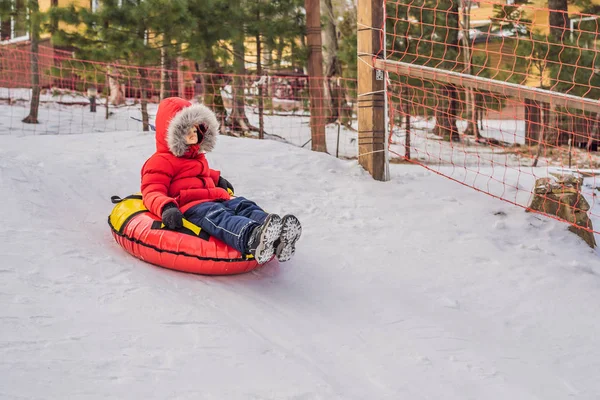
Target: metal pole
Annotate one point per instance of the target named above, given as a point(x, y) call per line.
point(386, 176)
point(570, 147)
point(337, 147)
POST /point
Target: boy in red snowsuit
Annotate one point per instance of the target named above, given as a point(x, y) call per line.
point(177, 182)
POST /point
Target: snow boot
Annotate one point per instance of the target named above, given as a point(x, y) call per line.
point(262, 239)
point(290, 233)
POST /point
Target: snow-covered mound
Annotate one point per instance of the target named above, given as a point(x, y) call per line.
point(417, 288)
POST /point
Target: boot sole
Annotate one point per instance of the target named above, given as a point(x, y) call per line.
point(290, 233)
point(272, 231)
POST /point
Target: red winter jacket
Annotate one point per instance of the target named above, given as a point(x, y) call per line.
point(179, 173)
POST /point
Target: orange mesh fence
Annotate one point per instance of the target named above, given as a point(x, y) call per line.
point(121, 93)
point(497, 96)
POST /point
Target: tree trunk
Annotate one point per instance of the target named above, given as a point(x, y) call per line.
point(548, 132)
point(261, 107)
point(532, 122)
point(293, 54)
point(279, 52)
point(34, 31)
point(269, 44)
point(163, 73)
point(332, 99)
point(199, 82)
point(212, 88)
point(406, 111)
point(180, 82)
point(595, 133)
point(238, 121)
point(551, 134)
point(168, 82)
point(332, 65)
point(144, 100)
point(117, 95)
point(106, 103)
point(174, 71)
point(544, 127)
point(315, 72)
point(144, 83)
point(558, 19)
point(472, 128)
point(445, 117)
point(330, 42)
point(53, 19)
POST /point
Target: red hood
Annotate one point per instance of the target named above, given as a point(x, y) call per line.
point(166, 111)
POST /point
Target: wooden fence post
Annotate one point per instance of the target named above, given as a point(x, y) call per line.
point(315, 75)
point(371, 90)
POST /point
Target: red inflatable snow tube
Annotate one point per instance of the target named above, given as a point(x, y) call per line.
point(142, 235)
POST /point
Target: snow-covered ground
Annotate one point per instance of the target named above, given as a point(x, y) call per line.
point(23, 95)
point(509, 131)
point(417, 288)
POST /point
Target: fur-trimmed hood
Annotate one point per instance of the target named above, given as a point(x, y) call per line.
point(174, 119)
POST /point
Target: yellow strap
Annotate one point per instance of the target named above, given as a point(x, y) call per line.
point(194, 228)
point(187, 224)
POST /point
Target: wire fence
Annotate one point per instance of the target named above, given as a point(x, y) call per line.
point(497, 96)
point(122, 97)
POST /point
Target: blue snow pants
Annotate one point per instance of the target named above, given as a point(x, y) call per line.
point(231, 221)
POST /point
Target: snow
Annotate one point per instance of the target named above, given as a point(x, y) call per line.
point(46, 95)
point(506, 130)
point(417, 288)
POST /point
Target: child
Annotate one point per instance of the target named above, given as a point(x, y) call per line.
point(177, 183)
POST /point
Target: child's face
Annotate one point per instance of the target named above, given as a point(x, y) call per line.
point(192, 136)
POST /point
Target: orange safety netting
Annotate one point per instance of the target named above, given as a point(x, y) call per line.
point(122, 92)
point(497, 96)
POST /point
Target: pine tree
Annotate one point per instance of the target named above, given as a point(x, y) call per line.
point(222, 42)
point(130, 32)
point(276, 24)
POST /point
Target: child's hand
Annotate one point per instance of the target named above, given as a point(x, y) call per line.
point(172, 217)
point(224, 183)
